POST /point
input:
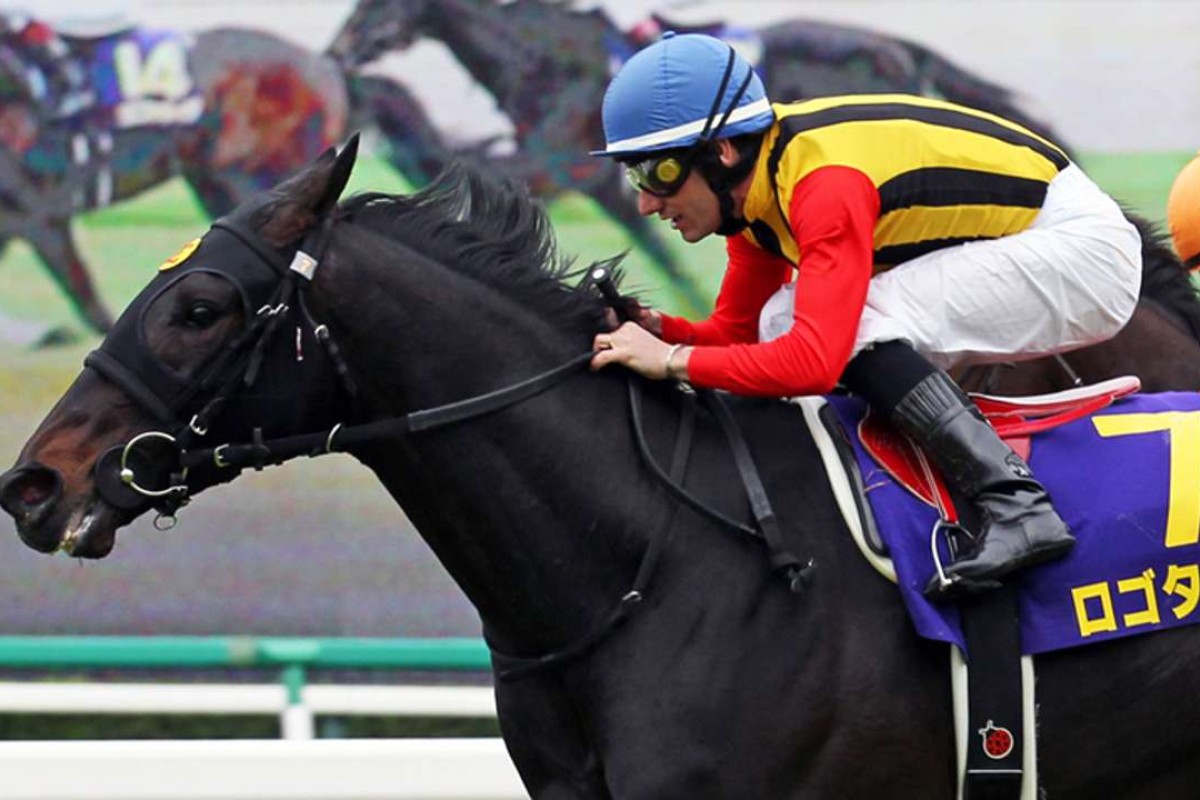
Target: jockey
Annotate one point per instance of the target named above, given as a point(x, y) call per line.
point(875, 241)
point(1183, 214)
point(55, 79)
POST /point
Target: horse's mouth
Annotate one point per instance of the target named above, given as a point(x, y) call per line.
point(50, 515)
point(91, 530)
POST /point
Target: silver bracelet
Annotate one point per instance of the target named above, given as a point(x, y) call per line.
point(675, 348)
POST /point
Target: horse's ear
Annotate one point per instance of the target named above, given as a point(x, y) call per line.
point(301, 201)
point(343, 165)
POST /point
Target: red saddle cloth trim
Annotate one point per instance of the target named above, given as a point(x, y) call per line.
point(1015, 419)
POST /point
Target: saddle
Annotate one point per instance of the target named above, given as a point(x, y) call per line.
point(1015, 419)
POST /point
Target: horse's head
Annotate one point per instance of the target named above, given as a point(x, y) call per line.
point(377, 26)
point(218, 347)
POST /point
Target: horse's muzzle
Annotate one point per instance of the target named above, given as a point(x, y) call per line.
point(30, 494)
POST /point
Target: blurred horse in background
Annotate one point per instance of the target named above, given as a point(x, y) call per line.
point(547, 66)
point(798, 59)
point(233, 112)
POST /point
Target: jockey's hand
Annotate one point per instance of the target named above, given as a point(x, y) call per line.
point(641, 351)
point(648, 318)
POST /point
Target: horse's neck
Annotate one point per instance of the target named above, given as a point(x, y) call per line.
point(543, 512)
point(536, 510)
point(481, 40)
point(501, 45)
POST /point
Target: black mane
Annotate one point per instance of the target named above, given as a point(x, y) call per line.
point(491, 231)
point(1164, 279)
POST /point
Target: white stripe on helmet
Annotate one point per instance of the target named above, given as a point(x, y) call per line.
point(650, 140)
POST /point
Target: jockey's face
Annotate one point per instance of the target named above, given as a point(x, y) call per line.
point(693, 210)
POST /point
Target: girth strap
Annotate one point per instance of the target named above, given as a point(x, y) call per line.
point(996, 735)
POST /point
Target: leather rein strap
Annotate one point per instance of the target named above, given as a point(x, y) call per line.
point(342, 438)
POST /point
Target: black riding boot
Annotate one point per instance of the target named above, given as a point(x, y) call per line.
point(1018, 526)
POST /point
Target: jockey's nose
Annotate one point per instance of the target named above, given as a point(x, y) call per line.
point(648, 204)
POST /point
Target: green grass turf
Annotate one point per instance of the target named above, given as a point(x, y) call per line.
point(1141, 181)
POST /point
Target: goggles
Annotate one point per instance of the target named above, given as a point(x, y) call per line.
point(661, 176)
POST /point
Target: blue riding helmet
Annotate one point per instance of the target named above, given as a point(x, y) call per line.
point(677, 92)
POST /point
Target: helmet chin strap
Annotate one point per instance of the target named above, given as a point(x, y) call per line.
point(722, 186)
point(722, 180)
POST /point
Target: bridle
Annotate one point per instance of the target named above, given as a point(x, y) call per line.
point(239, 366)
point(187, 412)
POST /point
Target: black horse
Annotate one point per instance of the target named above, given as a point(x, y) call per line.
point(721, 682)
point(265, 108)
point(547, 65)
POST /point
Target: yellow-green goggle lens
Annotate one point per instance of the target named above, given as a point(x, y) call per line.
point(661, 176)
point(667, 171)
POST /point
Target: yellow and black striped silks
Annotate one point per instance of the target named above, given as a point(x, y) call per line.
point(946, 174)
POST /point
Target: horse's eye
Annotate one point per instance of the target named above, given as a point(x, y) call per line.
point(200, 315)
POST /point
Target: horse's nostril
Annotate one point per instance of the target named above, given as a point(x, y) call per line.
point(27, 488)
point(33, 492)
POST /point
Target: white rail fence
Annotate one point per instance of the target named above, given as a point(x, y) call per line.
point(295, 767)
point(295, 713)
point(324, 769)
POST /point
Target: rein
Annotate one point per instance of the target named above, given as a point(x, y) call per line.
point(238, 366)
point(341, 438)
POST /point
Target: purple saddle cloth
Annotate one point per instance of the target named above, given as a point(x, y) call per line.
point(1125, 479)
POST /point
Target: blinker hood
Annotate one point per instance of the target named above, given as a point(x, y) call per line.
point(124, 356)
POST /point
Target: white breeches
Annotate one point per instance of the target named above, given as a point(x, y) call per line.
point(1069, 280)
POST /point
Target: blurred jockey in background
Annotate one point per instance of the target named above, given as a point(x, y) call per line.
point(1183, 214)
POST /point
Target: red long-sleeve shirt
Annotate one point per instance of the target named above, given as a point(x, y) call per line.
point(832, 215)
